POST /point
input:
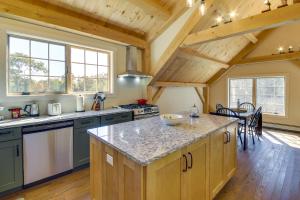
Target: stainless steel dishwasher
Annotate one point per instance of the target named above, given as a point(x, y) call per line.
point(48, 151)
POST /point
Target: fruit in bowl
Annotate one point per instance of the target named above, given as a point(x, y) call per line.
point(171, 119)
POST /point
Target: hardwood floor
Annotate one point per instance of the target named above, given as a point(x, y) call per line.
point(270, 169)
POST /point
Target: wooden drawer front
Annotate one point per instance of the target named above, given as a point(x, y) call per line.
point(10, 134)
point(91, 122)
point(116, 118)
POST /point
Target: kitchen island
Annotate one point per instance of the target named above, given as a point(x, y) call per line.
point(147, 160)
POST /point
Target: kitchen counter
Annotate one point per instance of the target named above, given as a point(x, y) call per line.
point(47, 119)
point(147, 140)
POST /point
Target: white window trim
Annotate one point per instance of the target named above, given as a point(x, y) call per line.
point(254, 97)
point(110, 73)
point(68, 90)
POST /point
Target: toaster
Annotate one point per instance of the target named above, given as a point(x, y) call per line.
point(54, 109)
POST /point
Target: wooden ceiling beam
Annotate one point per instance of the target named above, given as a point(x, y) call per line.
point(158, 94)
point(195, 55)
point(242, 54)
point(178, 84)
point(201, 97)
point(263, 21)
point(163, 62)
point(251, 37)
point(43, 12)
point(153, 7)
point(270, 58)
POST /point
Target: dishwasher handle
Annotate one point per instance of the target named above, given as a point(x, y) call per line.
point(47, 127)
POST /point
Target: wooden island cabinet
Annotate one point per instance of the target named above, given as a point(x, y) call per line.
point(195, 172)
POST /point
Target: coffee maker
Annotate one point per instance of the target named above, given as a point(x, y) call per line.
point(32, 110)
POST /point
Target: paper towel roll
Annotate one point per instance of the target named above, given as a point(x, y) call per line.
point(80, 103)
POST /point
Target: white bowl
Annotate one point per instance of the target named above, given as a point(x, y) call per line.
point(171, 119)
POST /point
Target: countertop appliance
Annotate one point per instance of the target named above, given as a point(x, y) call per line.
point(47, 151)
point(142, 111)
point(15, 112)
point(1, 110)
point(54, 109)
point(32, 110)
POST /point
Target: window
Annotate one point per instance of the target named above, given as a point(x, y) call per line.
point(90, 70)
point(40, 67)
point(240, 89)
point(271, 95)
point(268, 92)
point(36, 66)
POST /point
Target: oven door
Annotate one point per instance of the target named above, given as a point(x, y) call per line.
point(145, 116)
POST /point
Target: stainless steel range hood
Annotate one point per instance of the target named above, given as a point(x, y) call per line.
point(132, 65)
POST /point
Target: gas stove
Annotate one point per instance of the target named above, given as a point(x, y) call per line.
point(142, 111)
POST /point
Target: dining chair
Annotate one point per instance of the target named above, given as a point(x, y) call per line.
point(218, 106)
point(248, 106)
point(228, 112)
point(253, 125)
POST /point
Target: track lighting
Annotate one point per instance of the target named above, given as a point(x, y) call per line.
point(230, 17)
point(267, 3)
point(280, 50)
point(190, 3)
point(202, 7)
point(284, 4)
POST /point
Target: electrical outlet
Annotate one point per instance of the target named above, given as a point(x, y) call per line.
point(110, 159)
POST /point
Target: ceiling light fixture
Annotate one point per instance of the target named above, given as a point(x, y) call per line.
point(219, 19)
point(202, 7)
point(231, 16)
point(267, 3)
point(189, 3)
point(284, 4)
point(280, 50)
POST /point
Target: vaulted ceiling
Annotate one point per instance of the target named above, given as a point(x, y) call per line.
point(141, 21)
point(133, 15)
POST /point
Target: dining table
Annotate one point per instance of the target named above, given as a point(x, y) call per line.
point(245, 117)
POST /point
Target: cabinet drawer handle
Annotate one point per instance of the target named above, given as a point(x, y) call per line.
point(5, 133)
point(226, 133)
point(85, 123)
point(109, 119)
point(191, 164)
point(18, 153)
point(229, 136)
point(186, 164)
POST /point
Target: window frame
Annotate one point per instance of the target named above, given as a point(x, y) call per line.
point(110, 68)
point(254, 93)
point(29, 57)
point(229, 88)
point(285, 95)
point(68, 73)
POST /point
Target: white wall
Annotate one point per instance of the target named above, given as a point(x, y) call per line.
point(126, 91)
point(175, 100)
point(284, 36)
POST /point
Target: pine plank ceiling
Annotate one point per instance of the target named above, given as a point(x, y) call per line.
point(123, 13)
point(129, 16)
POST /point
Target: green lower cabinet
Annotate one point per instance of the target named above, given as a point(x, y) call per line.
point(11, 173)
point(81, 147)
point(81, 141)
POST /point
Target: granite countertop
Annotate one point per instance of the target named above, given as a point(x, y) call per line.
point(147, 140)
point(63, 117)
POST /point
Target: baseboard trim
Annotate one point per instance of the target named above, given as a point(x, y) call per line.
point(282, 127)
